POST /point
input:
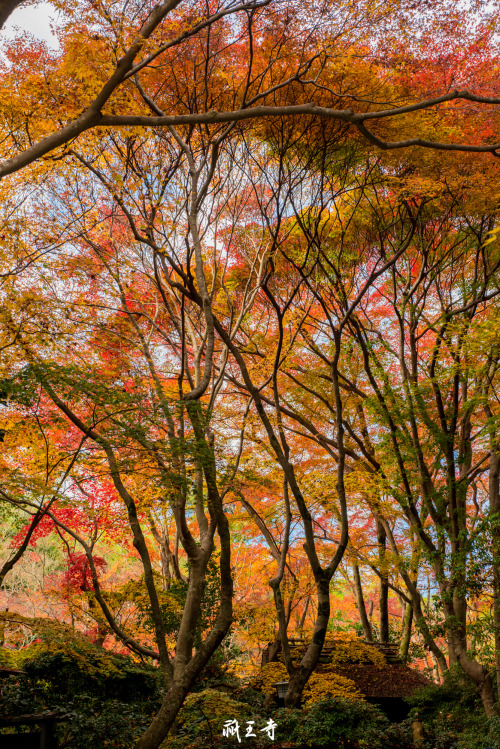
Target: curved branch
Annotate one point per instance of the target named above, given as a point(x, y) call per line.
point(92, 118)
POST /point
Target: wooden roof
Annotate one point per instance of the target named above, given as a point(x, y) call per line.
point(380, 682)
point(393, 679)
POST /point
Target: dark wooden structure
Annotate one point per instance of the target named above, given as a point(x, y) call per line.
point(386, 686)
point(44, 738)
point(5, 672)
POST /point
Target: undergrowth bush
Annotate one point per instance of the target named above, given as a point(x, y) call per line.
point(453, 716)
point(106, 700)
point(200, 721)
point(341, 724)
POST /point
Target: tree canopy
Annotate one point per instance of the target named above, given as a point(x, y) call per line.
point(250, 361)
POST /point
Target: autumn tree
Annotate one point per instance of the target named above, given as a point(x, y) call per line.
point(147, 139)
point(99, 79)
point(414, 373)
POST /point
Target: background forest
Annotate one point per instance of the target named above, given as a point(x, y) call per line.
point(250, 365)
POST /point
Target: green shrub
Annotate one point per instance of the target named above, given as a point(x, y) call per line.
point(103, 674)
point(201, 719)
point(494, 732)
point(339, 724)
point(453, 715)
point(107, 700)
point(92, 723)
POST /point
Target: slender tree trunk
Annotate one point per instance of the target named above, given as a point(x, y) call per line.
point(496, 620)
point(384, 583)
point(187, 670)
point(494, 497)
point(404, 645)
point(436, 671)
point(174, 698)
point(424, 630)
point(304, 614)
point(274, 648)
point(416, 602)
point(322, 576)
point(360, 603)
point(303, 671)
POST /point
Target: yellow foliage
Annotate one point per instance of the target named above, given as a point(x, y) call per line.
point(345, 649)
point(320, 685)
point(329, 684)
point(353, 650)
point(325, 681)
point(267, 677)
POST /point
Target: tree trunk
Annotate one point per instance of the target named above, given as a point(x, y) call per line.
point(303, 617)
point(384, 584)
point(494, 499)
point(360, 603)
point(436, 671)
point(274, 648)
point(476, 671)
point(186, 671)
point(404, 645)
point(304, 669)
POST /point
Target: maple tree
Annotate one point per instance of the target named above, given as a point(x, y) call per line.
point(432, 293)
point(448, 472)
point(98, 80)
point(214, 260)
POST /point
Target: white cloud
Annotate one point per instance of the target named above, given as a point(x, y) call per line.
point(35, 20)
